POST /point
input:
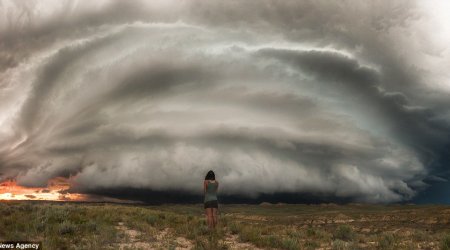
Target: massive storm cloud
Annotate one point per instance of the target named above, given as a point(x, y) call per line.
point(343, 99)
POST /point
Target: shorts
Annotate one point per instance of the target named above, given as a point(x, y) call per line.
point(211, 204)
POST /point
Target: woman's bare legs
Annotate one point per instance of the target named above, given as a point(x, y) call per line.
point(209, 217)
point(214, 217)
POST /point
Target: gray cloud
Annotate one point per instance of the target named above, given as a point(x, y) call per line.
point(292, 96)
point(415, 126)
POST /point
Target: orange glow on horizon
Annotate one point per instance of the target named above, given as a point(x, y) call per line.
point(56, 190)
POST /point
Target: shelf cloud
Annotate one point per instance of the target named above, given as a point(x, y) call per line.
point(348, 100)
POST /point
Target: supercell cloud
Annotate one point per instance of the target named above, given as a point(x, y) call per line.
point(338, 99)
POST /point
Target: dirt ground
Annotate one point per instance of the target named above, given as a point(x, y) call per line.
point(265, 226)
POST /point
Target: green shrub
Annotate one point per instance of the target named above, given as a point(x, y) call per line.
point(290, 244)
point(151, 219)
point(272, 241)
point(344, 232)
point(234, 228)
point(310, 232)
point(387, 241)
point(250, 233)
point(445, 244)
point(338, 245)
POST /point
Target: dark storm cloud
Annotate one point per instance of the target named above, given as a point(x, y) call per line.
point(66, 20)
point(416, 126)
point(305, 97)
point(53, 71)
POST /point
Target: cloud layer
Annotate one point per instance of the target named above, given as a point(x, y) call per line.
point(334, 99)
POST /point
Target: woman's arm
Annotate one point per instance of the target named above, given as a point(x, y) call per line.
point(204, 187)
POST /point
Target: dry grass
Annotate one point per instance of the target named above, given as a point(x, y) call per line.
point(120, 226)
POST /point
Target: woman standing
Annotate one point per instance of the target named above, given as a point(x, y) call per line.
point(210, 186)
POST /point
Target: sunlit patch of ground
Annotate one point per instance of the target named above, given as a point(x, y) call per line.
point(70, 225)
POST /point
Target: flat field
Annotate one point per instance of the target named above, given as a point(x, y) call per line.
point(69, 225)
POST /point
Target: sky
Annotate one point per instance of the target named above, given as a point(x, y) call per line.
point(285, 100)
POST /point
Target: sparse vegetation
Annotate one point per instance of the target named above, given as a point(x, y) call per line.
point(387, 241)
point(121, 226)
point(339, 245)
point(445, 245)
point(344, 232)
point(66, 228)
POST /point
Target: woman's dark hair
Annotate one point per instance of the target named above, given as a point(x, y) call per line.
point(210, 175)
